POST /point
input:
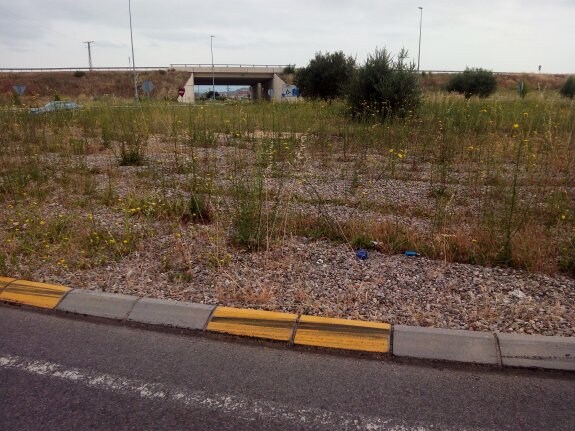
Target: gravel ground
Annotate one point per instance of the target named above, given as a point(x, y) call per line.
point(194, 263)
point(320, 278)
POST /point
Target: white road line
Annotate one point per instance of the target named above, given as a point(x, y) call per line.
point(240, 407)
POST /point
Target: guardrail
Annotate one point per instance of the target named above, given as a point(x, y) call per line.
point(83, 69)
point(228, 65)
point(185, 65)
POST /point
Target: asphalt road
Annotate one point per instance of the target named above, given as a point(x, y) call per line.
point(64, 373)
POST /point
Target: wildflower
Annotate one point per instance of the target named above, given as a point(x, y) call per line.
point(516, 126)
point(400, 155)
point(526, 114)
point(125, 241)
point(391, 150)
point(562, 216)
point(42, 222)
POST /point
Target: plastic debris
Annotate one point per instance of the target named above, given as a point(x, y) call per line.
point(361, 254)
point(411, 253)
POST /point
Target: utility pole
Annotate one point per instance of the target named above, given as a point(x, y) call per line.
point(419, 50)
point(89, 43)
point(213, 73)
point(133, 59)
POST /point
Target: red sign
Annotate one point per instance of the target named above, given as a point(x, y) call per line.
point(181, 92)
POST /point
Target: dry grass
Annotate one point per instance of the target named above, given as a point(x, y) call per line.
point(484, 182)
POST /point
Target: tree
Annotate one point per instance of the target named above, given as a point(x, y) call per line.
point(473, 82)
point(384, 86)
point(568, 88)
point(326, 76)
point(210, 95)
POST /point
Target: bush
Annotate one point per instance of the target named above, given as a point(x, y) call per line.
point(326, 76)
point(200, 211)
point(289, 69)
point(79, 74)
point(568, 88)
point(473, 82)
point(384, 87)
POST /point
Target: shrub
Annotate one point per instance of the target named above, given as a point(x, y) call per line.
point(384, 87)
point(199, 208)
point(289, 69)
point(326, 76)
point(473, 82)
point(79, 74)
point(568, 88)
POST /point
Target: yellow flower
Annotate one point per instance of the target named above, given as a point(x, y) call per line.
point(516, 126)
point(562, 216)
point(391, 150)
point(400, 155)
point(42, 222)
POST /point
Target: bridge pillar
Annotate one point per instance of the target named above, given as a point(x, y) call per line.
point(277, 86)
point(257, 91)
point(189, 95)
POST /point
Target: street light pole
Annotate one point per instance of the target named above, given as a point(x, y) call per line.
point(419, 50)
point(213, 73)
point(133, 58)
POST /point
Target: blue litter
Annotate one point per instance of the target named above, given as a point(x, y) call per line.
point(361, 254)
point(411, 253)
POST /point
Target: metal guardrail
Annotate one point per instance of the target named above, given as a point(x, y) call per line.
point(73, 69)
point(228, 65)
point(172, 66)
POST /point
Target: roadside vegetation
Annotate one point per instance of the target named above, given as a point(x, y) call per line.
point(483, 181)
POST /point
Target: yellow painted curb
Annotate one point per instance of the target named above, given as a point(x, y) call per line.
point(36, 294)
point(343, 334)
point(5, 281)
point(253, 323)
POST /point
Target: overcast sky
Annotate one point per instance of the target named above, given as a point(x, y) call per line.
point(501, 35)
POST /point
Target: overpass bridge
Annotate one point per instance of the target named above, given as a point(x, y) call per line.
point(260, 78)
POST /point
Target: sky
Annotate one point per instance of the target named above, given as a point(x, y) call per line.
point(500, 35)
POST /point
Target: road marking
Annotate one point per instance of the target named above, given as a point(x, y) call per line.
point(343, 334)
point(240, 407)
point(36, 294)
point(253, 323)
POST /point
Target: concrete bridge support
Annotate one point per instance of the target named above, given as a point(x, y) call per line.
point(189, 95)
point(260, 80)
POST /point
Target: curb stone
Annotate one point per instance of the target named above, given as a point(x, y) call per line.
point(507, 350)
point(186, 315)
point(537, 351)
point(445, 344)
point(98, 304)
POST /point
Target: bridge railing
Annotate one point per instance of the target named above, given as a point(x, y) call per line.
point(186, 65)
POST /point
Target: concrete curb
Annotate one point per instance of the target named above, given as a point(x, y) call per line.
point(504, 350)
point(445, 344)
